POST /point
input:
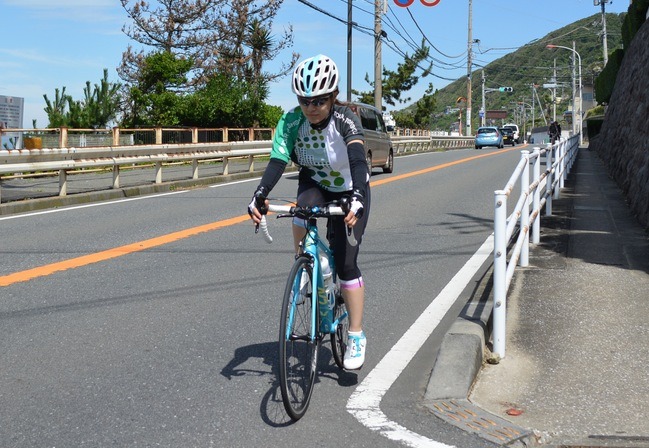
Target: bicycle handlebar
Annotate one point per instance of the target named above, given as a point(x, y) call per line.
point(305, 212)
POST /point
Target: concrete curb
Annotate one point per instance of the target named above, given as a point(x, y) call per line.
point(459, 361)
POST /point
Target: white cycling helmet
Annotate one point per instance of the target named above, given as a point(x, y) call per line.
point(315, 76)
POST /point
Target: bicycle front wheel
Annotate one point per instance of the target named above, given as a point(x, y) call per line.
point(299, 340)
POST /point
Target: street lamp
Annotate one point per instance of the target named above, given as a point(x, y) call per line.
point(574, 121)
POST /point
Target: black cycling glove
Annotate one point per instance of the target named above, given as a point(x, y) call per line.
point(258, 201)
point(357, 203)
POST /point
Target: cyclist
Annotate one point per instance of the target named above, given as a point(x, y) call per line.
point(554, 132)
point(325, 138)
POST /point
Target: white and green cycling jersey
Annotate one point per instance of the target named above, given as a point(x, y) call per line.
point(323, 153)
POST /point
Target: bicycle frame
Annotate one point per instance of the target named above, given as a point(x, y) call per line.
point(312, 245)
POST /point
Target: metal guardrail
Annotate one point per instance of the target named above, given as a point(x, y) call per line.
point(63, 160)
point(67, 159)
point(415, 144)
point(537, 192)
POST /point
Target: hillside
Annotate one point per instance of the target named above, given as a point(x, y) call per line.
point(532, 64)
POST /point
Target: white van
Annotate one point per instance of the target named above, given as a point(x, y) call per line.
point(514, 127)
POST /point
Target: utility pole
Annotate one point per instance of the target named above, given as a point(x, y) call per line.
point(554, 92)
point(604, 36)
point(349, 50)
point(378, 86)
point(484, 107)
point(468, 71)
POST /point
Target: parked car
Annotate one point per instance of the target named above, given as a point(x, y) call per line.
point(488, 136)
point(514, 127)
point(508, 136)
point(378, 146)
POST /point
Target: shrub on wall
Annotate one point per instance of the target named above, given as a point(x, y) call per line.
point(633, 20)
point(605, 82)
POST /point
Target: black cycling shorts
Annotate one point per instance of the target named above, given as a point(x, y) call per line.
point(309, 193)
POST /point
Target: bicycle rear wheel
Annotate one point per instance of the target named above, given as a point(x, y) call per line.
point(339, 337)
point(298, 346)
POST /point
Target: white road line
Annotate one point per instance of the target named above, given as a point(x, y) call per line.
point(365, 402)
point(115, 201)
point(94, 204)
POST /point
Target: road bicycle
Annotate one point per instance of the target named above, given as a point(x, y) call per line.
point(312, 307)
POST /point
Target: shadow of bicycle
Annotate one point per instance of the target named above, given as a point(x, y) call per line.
point(271, 407)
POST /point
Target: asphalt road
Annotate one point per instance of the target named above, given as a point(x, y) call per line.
point(152, 321)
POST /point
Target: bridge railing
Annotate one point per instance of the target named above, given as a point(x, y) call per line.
point(64, 137)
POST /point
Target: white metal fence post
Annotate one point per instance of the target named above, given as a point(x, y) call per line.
point(562, 157)
point(548, 183)
point(500, 273)
point(536, 200)
point(524, 259)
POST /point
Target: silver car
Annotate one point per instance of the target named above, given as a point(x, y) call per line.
point(378, 146)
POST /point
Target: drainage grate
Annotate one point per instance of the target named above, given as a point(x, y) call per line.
point(465, 415)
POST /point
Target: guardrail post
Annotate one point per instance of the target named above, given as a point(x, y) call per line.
point(195, 169)
point(115, 176)
point(158, 172)
point(226, 165)
point(548, 183)
point(536, 197)
point(63, 182)
point(524, 259)
point(500, 273)
point(251, 163)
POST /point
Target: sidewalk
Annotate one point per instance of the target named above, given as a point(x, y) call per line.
point(576, 369)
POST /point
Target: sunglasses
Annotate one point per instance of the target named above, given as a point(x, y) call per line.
point(317, 102)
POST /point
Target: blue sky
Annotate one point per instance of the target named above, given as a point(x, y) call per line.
point(49, 44)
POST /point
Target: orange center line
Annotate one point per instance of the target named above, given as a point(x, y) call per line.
point(84, 260)
point(436, 167)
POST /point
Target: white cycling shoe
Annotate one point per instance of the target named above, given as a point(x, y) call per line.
point(355, 353)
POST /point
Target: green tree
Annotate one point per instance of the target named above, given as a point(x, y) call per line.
point(424, 109)
point(56, 109)
point(227, 101)
point(395, 83)
point(155, 97)
point(101, 104)
point(98, 109)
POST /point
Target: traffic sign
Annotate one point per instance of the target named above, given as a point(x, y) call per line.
point(430, 2)
point(404, 3)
